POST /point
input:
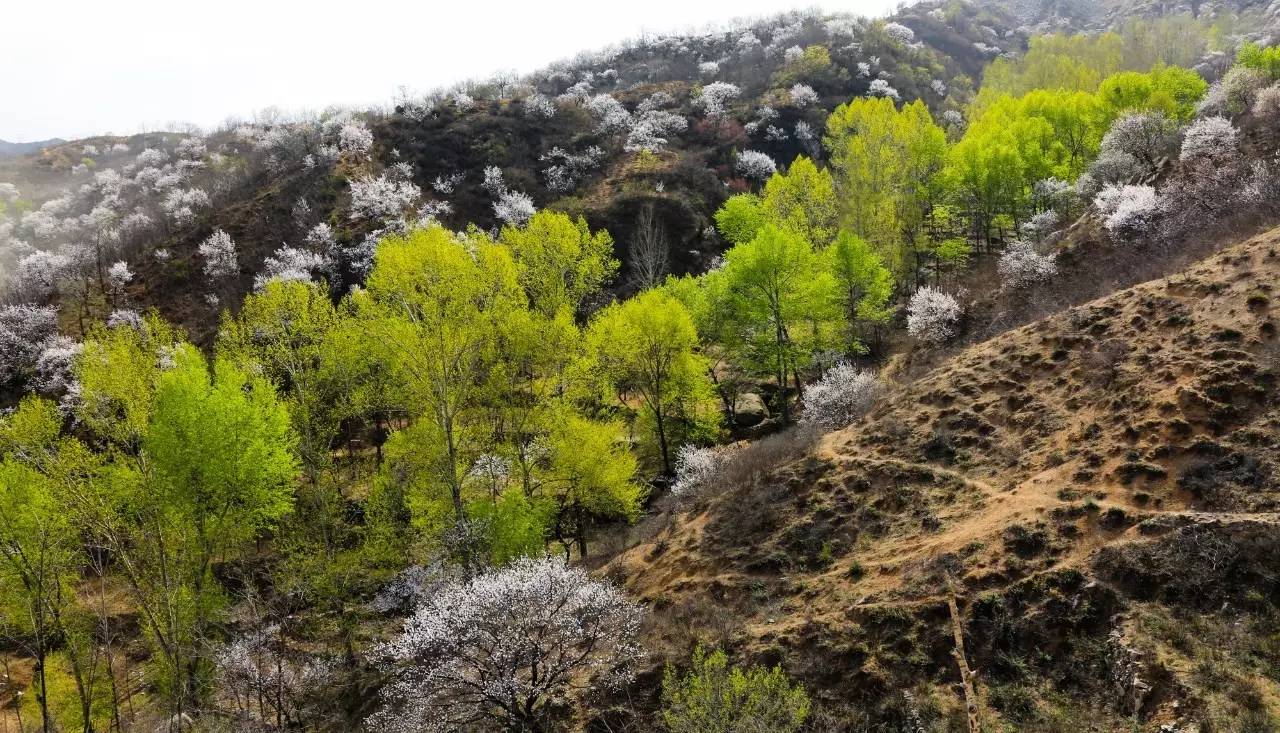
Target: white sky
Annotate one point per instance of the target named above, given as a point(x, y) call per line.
point(75, 68)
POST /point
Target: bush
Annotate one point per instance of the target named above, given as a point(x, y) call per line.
point(716, 698)
point(932, 315)
point(1020, 265)
point(1211, 138)
point(844, 394)
point(1266, 106)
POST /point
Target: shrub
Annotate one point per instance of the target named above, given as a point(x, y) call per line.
point(1128, 211)
point(1210, 138)
point(716, 698)
point(1266, 106)
point(932, 315)
point(844, 394)
point(697, 469)
point(1020, 265)
point(506, 648)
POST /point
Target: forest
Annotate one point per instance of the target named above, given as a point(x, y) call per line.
point(378, 487)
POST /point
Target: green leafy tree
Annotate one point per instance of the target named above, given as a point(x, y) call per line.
point(560, 261)
point(213, 467)
point(863, 287)
point(887, 163)
point(645, 347)
point(590, 475)
point(803, 199)
point(780, 298)
point(434, 312)
point(740, 218)
point(714, 697)
point(41, 554)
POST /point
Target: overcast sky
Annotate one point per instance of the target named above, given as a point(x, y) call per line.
point(74, 68)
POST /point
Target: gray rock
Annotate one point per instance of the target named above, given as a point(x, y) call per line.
point(749, 410)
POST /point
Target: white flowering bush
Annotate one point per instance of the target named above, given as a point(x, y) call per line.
point(932, 315)
point(755, 165)
point(842, 395)
point(539, 106)
point(803, 95)
point(503, 650)
point(381, 198)
point(567, 169)
point(715, 96)
point(219, 255)
point(1127, 211)
point(899, 32)
point(1209, 138)
point(881, 88)
point(1021, 265)
point(652, 129)
point(696, 469)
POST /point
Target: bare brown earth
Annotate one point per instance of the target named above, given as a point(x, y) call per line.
point(1099, 488)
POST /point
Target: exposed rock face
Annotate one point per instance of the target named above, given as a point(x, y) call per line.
point(749, 410)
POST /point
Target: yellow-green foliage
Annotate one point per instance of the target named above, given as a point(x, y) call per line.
point(1265, 60)
point(714, 697)
point(886, 162)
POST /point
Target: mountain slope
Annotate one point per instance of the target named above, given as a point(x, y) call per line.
point(10, 150)
point(1115, 457)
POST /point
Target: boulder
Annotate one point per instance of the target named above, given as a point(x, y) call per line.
point(749, 410)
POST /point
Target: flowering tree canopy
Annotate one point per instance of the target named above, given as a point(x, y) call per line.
point(844, 394)
point(505, 648)
point(219, 253)
point(932, 315)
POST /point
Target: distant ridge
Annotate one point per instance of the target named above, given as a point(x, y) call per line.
point(13, 150)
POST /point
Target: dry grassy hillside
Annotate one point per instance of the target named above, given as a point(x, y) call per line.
point(1097, 490)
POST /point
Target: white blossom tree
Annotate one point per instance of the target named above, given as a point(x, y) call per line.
point(505, 648)
point(932, 315)
point(290, 263)
point(219, 254)
point(714, 98)
point(355, 140)
point(1021, 265)
point(899, 32)
point(803, 95)
point(1209, 139)
point(382, 198)
point(1145, 136)
point(755, 165)
point(842, 395)
point(881, 88)
point(609, 113)
point(24, 331)
point(118, 278)
point(513, 207)
point(1128, 211)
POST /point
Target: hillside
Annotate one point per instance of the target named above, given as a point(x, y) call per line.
point(1096, 490)
point(807, 374)
point(12, 150)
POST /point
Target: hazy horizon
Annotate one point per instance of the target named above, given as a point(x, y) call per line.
point(144, 65)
